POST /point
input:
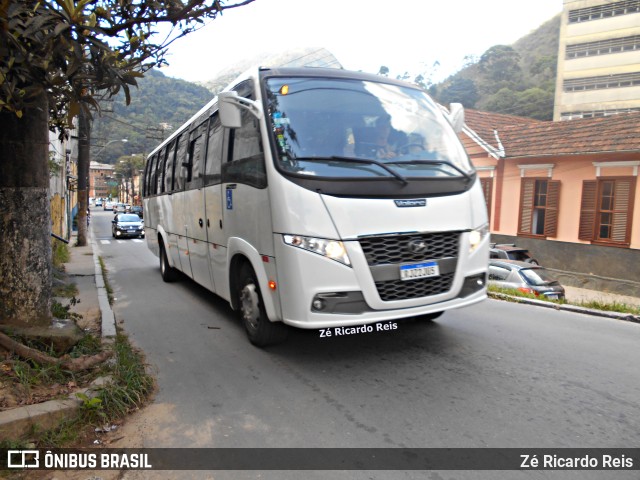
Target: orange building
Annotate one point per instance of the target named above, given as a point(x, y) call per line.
point(565, 190)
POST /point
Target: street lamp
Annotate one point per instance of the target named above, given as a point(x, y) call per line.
point(124, 140)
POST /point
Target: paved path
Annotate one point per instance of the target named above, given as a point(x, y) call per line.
point(577, 295)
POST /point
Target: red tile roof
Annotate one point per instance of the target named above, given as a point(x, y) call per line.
point(523, 137)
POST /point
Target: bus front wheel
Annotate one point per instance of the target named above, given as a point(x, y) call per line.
point(169, 274)
point(260, 330)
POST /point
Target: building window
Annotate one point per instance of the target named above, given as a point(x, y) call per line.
point(603, 47)
point(620, 80)
point(539, 207)
point(607, 10)
point(596, 113)
point(606, 210)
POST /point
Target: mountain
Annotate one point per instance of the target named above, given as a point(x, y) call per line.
point(516, 80)
point(158, 106)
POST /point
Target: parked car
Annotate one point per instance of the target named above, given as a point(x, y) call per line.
point(108, 205)
point(138, 210)
point(525, 277)
point(127, 225)
point(508, 251)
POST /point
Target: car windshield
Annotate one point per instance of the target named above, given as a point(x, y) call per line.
point(346, 128)
point(129, 218)
point(537, 276)
point(520, 255)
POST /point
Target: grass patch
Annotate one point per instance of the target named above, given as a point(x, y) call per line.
point(60, 253)
point(514, 292)
point(128, 389)
point(611, 307)
point(593, 304)
point(107, 286)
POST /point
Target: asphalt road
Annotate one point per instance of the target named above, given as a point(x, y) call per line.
point(494, 375)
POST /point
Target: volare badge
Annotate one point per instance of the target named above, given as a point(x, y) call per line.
point(416, 202)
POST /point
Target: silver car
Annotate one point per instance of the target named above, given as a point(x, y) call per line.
point(525, 277)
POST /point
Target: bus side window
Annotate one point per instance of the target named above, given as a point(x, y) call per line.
point(169, 167)
point(160, 170)
point(196, 156)
point(152, 174)
point(145, 178)
point(213, 164)
point(180, 169)
point(246, 156)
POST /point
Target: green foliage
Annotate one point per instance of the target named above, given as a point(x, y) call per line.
point(60, 252)
point(515, 80)
point(161, 104)
point(460, 90)
point(74, 52)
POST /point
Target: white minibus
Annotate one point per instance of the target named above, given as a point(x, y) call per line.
point(320, 199)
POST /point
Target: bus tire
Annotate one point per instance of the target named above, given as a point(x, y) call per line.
point(169, 274)
point(260, 330)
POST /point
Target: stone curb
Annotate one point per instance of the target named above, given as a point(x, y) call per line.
point(628, 317)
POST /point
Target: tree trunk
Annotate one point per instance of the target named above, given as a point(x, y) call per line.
point(25, 218)
point(84, 140)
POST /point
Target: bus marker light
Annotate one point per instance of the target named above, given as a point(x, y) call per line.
point(272, 285)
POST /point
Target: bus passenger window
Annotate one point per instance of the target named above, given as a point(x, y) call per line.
point(160, 171)
point(152, 175)
point(246, 154)
point(169, 167)
point(181, 160)
point(214, 152)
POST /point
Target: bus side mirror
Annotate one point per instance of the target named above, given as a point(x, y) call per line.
point(229, 110)
point(456, 115)
point(230, 106)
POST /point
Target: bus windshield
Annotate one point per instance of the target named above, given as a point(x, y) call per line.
point(347, 128)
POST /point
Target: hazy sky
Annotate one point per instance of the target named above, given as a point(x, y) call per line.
point(403, 35)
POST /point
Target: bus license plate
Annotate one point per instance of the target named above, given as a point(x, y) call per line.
point(419, 270)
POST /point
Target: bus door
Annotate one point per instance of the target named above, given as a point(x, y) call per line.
point(216, 244)
point(179, 225)
point(194, 208)
point(246, 210)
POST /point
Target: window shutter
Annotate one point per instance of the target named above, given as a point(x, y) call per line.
point(527, 191)
point(487, 187)
point(551, 216)
point(587, 210)
point(622, 196)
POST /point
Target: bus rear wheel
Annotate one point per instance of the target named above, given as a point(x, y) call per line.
point(260, 330)
point(169, 274)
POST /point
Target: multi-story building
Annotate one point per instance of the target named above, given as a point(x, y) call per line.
point(598, 59)
point(101, 180)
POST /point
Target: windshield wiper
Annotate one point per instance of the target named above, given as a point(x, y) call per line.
point(434, 162)
point(357, 160)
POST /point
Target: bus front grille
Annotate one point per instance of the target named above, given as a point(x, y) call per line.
point(388, 252)
point(387, 249)
point(425, 287)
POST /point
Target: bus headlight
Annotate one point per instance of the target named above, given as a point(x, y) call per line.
point(476, 237)
point(333, 249)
